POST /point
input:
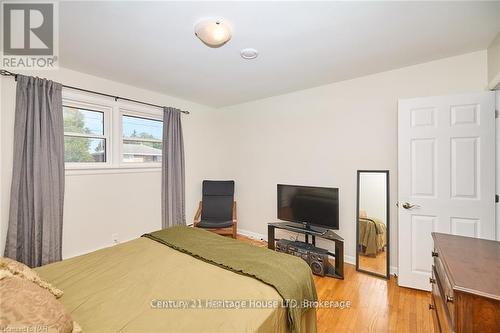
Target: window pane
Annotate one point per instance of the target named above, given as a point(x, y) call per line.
point(141, 151)
point(142, 128)
point(83, 121)
point(80, 149)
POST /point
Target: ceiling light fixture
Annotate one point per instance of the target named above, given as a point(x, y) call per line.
point(249, 53)
point(213, 32)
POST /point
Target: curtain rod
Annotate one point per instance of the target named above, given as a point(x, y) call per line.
point(4, 72)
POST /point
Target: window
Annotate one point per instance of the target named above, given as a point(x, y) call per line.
point(84, 140)
point(103, 135)
point(141, 139)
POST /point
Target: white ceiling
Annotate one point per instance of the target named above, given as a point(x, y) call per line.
point(301, 44)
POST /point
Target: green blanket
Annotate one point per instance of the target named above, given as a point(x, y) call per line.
point(289, 275)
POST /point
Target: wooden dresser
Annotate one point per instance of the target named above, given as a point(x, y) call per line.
point(465, 284)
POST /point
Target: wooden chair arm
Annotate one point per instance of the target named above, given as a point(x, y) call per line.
point(235, 215)
point(197, 216)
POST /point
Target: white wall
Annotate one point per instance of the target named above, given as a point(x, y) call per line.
point(321, 136)
point(318, 136)
point(98, 205)
point(494, 63)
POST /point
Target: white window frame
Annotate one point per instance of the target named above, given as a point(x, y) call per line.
point(145, 113)
point(76, 101)
point(113, 114)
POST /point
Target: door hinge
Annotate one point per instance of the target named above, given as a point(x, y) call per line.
point(496, 198)
point(496, 113)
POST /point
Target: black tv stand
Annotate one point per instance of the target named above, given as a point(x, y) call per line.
point(307, 229)
point(327, 234)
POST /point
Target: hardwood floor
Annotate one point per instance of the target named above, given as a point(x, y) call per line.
point(375, 264)
point(378, 305)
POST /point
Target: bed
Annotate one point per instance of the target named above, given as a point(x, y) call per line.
point(372, 238)
point(124, 288)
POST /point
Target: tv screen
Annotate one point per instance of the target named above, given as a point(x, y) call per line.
point(317, 206)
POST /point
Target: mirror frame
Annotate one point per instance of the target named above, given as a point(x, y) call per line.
point(388, 273)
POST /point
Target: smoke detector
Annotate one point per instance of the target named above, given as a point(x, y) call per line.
point(249, 53)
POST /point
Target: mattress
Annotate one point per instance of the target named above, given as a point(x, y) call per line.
point(137, 286)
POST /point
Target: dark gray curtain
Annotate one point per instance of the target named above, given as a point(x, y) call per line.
point(37, 192)
point(172, 184)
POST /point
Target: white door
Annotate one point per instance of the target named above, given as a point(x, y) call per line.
point(498, 163)
point(446, 166)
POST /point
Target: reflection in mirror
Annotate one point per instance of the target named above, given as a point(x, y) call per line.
point(373, 222)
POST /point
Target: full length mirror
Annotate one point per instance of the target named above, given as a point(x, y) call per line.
point(372, 223)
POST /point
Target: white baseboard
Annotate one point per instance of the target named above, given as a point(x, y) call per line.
point(253, 235)
point(347, 258)
point(350, 260)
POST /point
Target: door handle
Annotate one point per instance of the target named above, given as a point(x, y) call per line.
point(408, 205)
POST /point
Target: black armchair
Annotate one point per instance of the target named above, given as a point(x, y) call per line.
point(217, 210)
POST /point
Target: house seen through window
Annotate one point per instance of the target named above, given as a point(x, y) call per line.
point(142, 139)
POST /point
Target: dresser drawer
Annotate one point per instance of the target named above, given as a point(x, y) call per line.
point(435, 319)
point(440, 307)
point(448, 295)
point(466, 288)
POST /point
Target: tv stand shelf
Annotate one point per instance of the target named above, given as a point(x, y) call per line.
point(338, 272)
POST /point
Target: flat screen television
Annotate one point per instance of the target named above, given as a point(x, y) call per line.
point(310, 206)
